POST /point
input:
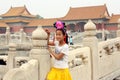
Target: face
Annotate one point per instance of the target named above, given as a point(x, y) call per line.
point(59, 36)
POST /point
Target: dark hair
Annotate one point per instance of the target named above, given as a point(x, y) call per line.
point(65, 34)
point(62, 29)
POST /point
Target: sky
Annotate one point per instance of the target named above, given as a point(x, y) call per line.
point(57, 8)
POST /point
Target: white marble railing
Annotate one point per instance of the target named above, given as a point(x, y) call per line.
point(2, 39)
point(28, 71)
point(80, 63)
point(108, 47)
point(18, 60)
point(109, 57)
point(19, 37)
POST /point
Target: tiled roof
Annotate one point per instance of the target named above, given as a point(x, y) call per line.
point(114, 18)
point(2, 24)
point(15, 20)
point(91, 12)
point(42, 22)
point(17, 11)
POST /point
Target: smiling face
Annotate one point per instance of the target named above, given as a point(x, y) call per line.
point(60, 35)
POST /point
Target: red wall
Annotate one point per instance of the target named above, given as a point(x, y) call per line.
point(110, 28)
point(16, 28)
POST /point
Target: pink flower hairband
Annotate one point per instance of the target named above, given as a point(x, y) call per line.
point(59, 25)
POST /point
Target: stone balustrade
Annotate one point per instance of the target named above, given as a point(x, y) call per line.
point(108, 47)
point(28, 71)
point(78, 57)
point(3, 39)
point(18, 60)
point(80, 63)
point(19, 37)
point(109, 53)
point(40, 52)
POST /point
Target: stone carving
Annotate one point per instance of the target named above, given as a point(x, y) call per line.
point(108, 50)
point(7, 35)
point(40, 52)
point(90, 29)
point(118, 46)
point(20, 61)
point(11, 56)
point(75, 62)
point(22, 36)
point(91, 41)
point(27, 71)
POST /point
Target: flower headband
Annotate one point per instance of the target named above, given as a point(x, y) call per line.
point(59, 25)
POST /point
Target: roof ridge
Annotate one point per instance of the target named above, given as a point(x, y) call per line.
point(116, 15)
point(88, 6)
point(23, 8)
point(85, 13)
point(21, 13)
point(18, 6)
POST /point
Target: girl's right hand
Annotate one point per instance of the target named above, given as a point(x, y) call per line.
point(47, 31)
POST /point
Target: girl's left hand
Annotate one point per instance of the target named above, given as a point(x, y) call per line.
point(49, 49)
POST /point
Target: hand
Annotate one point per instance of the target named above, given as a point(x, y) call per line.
point(49, 49)
point(47, 31)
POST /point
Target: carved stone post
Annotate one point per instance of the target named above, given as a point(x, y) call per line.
point(7, 35)
point(40, 52)
point(22, 35)
point(118, 31)
point(91, 41)
point(11, 56)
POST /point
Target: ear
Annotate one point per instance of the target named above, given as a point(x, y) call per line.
point(64, 36)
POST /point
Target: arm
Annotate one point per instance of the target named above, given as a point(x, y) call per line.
point(49, 43)
point(56, 56)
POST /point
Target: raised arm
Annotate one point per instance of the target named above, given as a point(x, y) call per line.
point(49, 42)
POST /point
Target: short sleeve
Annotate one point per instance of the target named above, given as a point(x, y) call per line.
point(65, 50)
point(56, 43)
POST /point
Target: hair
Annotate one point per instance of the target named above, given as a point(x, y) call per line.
point(65, 34)
point(62, 29)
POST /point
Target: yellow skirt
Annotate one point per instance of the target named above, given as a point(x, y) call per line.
point(59, 74)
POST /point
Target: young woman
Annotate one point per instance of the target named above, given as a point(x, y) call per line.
point(60, 70)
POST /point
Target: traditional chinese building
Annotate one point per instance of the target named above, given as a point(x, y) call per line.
point(112, 25)
point(3, 26)
point(77, 17)
point(19, 17)
point(45, 23)
point(16, 18)
point(113, 22)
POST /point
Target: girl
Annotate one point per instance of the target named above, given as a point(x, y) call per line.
point(60, 70)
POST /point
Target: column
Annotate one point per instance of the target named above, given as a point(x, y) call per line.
point(22, 36)
point(11, 56)
point(7, 35)
point(40, 52)
point(118, 31)
point(91, 41)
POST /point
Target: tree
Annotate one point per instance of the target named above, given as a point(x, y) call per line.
point(39, 17)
